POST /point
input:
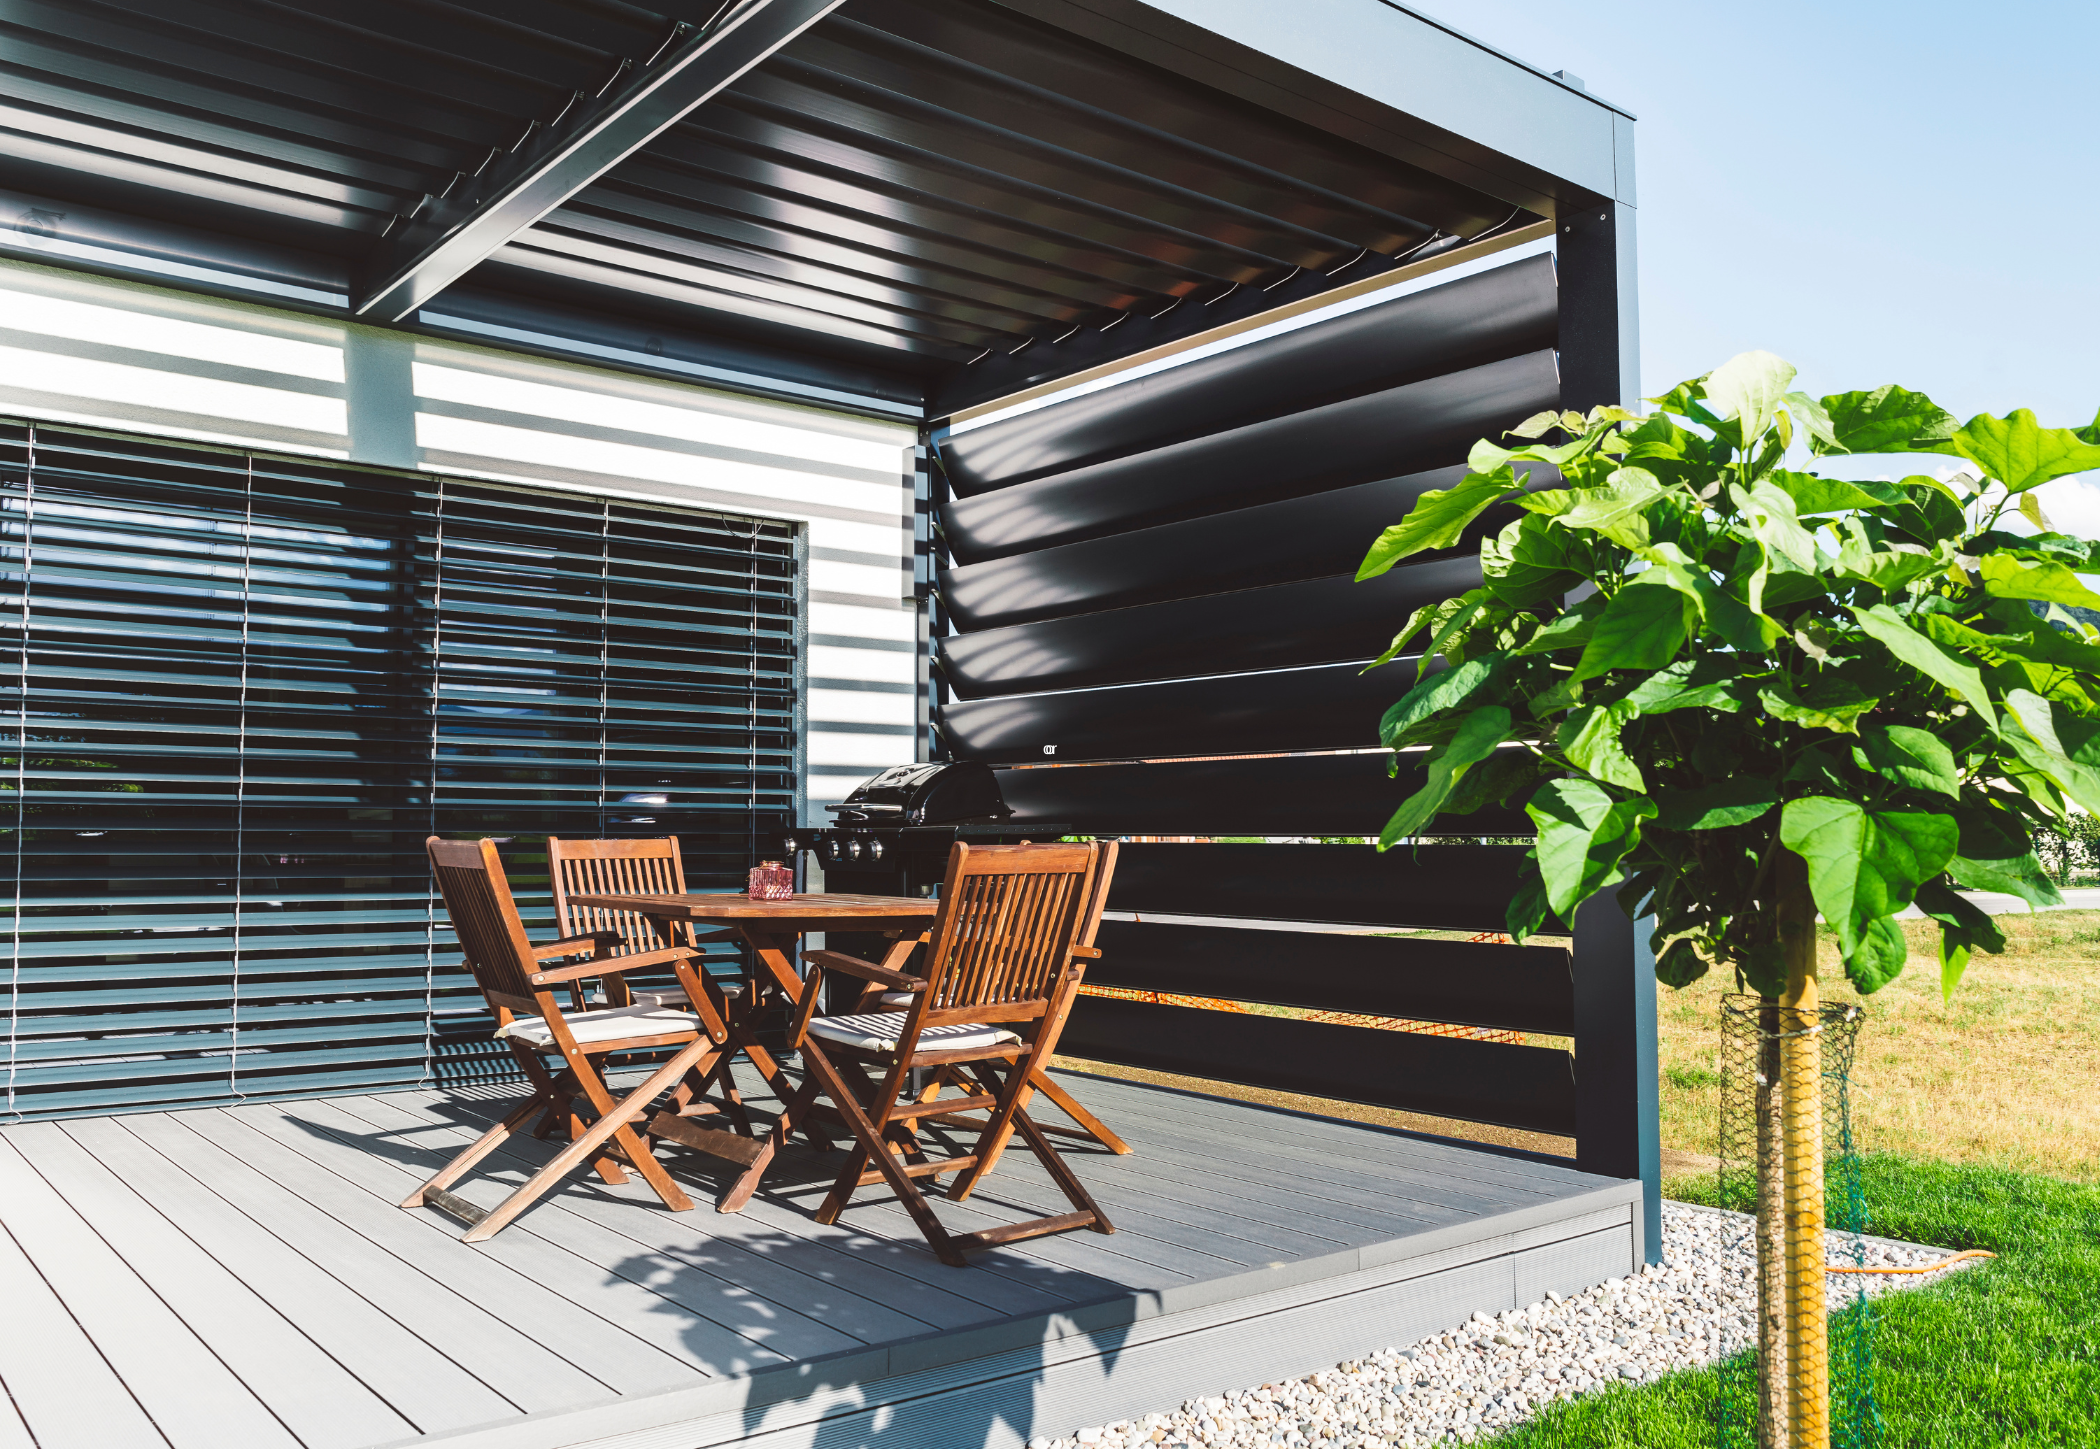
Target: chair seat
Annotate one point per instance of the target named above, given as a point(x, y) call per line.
point(877, 1031)
point(644, 1018)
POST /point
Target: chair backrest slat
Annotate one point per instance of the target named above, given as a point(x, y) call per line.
point(477, 898)
point(613, 867)
point(1010, 915)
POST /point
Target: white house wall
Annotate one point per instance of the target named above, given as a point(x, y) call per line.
point(102, 353)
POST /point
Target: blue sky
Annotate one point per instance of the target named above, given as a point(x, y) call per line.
point(1876, 192)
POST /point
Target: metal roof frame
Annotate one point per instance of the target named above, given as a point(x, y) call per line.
point(907, 207)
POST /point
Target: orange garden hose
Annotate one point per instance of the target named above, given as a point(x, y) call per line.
point(1947, 1262)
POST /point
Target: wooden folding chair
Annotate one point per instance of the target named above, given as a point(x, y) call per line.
point(532, 1021)
point(1090, 1128)
point(997, 985)
point(638, 867)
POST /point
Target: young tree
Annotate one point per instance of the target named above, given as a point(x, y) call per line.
point(1742, 692)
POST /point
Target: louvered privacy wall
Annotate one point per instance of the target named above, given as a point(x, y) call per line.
point(244, 689)
point(1163, 568)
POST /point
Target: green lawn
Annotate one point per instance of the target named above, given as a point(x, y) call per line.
point(2004, 1353)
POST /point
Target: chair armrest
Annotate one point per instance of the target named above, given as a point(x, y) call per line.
point(866, 970)
point(576, 945)
point(613, 965)
point(1087, 953)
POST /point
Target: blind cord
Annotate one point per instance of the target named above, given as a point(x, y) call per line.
point(240, 780)
point(14, 955)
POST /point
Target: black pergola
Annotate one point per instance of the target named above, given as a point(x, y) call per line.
point(914, 209)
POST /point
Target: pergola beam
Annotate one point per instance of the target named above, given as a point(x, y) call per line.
point(447, 237)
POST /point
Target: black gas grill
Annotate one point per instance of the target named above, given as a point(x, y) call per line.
point(891, 836)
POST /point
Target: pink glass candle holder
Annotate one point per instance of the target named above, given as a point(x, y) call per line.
point(770, 881)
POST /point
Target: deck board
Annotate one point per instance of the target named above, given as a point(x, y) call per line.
point(257, 1251)
point(426, 1388)
point(191, 1397)
point(315, 1398)
point(488, 1319)
point(53, 1372)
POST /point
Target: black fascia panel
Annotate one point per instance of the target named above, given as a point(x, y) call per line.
point(1248, 548)
point(1514, 988)
point(1431, 887)
point(1442, 329)
point(1332, 794)
point(1313, 621)
point(1527, 1087)
point(1424, 425)
point(1327, 707)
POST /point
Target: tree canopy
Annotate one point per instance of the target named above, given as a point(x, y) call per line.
point(1690, 650)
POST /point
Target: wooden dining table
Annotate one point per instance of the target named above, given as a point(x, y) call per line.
point(770, 929)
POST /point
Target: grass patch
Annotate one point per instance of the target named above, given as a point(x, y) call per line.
point(2002, 1075)
point(2004, 1353)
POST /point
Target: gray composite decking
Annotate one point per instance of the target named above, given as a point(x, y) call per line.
point(236, 1277)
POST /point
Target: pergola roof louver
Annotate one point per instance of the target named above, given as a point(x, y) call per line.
point(891, 189)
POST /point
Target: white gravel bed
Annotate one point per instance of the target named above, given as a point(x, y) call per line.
point(1695, 1307)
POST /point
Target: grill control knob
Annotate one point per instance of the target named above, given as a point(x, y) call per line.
point(789, 845)
point(874, 850)
point(853, 849)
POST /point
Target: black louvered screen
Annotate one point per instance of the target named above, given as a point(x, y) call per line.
point(244, 689)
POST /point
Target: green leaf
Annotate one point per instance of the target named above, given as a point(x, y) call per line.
point(1583, 835)
point(1734, 801)
point(1433, 694)
point(1642, 627)
point(1468, 607)
point(2021, 453)
point(1768, 513)
point(1813, 417)
point(1706, 681)
point(1887, 420)
point(2058, 744)
point(1568, 629)
point(1995, 855)
point(1478, 734)
point(1864, 865)
point(1437, 520)
point(1536, 426)
point(1412, 627)
point(1680, 964)
point(1813, 493)
point(1879, 958)
point(1590, 739)
point(1527, 909)
point(2005, 577)
point(1963, 928)
point(1614, 510)
point(1493, 781)
point(1827, 702)
point(1528, 563)
point(1912, 757)
point(1887, 626)
point(1749, 387)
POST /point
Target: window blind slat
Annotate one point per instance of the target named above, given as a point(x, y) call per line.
point(241, 691)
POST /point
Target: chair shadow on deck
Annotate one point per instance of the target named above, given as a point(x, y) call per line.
point(764, 1294)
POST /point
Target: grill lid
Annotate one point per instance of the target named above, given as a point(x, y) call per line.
point(937, 794)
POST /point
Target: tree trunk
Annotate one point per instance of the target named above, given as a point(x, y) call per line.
point(1771, 1234)
point(1807, 1367)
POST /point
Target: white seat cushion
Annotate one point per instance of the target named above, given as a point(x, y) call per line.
point(877, 1031)
point(644, 1018)
point(898, 1000)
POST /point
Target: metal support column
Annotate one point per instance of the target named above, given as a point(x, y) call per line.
point(1618, 1132)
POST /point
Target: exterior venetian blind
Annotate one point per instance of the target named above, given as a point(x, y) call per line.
point(243, 690)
